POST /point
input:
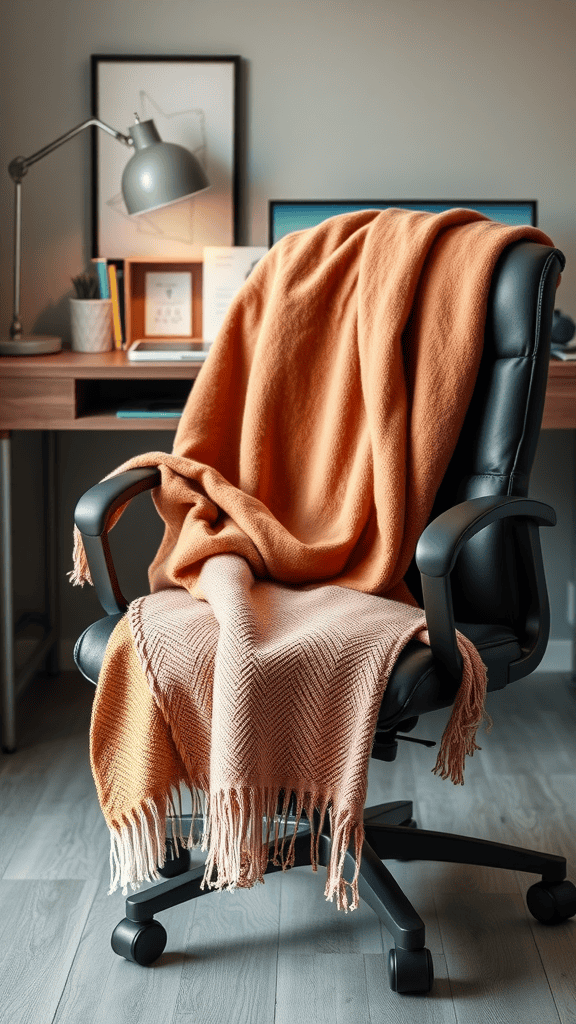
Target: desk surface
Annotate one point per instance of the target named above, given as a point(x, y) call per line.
point(77, 391)
point(93, 364)
point(81, 391)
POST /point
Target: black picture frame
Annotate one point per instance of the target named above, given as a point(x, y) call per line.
point(216, 212)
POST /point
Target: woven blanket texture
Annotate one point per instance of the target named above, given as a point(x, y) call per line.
point(303, 472)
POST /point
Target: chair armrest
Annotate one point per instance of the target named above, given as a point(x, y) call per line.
point(92, 515)
point(436, 554)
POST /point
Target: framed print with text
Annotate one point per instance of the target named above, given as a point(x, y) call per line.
point(168, 304)
point(193, 102)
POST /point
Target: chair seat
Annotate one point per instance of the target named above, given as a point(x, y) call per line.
point(414, 687)
point(91, 646)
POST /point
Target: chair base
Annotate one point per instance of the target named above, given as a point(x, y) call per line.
point(390, 834)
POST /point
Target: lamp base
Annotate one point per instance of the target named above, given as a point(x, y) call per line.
point(33, 345)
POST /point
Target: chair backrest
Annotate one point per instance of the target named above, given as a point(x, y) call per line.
point(496, 448)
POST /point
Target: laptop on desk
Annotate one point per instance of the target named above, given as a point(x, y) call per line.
point(146, 351)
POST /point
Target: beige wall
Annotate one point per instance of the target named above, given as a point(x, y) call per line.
point(400, 98)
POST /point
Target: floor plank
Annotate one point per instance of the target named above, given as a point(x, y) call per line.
point(67, 841)
point(386, 1006)
point(103, 988)
point(40, 928)
point(556, 948)
point(229, 971)
point(328, 988)
point(281, 950)
point(495, 970)
point(310, 924)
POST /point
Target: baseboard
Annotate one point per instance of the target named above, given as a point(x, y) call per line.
point(558, 657)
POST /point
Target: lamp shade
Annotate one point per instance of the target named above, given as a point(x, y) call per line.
point(159, 172)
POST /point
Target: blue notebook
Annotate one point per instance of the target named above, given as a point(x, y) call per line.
point(153, 409)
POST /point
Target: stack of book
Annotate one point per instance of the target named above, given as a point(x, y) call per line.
point(108, 279)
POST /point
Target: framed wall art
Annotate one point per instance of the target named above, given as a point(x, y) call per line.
point(193, 102)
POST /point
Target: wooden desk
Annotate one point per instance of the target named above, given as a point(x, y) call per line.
point(560, 406)
point(77, 391)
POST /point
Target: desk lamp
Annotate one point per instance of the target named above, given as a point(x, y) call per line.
point(157, 174)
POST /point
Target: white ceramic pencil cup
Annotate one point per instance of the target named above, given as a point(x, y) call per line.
point(91, 321)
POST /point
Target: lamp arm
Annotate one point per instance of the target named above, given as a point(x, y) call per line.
point(18, 167)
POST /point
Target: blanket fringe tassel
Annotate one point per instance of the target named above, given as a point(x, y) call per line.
point(468, 713)
point(244, 829)
point(247, 827)
point(80, 574)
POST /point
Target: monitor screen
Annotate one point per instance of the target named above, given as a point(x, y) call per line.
point(286, 215)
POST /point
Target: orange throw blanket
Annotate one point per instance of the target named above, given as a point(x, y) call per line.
point(307, 459)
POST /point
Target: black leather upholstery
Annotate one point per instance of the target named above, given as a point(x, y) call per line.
point(91, 646)
point(415, 687)
point(496, 448)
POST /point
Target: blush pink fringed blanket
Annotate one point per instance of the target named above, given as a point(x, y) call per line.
point(303, 471)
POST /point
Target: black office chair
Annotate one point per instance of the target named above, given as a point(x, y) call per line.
point(479, 562)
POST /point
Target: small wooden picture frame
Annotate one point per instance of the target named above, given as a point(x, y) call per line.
point(139, 299)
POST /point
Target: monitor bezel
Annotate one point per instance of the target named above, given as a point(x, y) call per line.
point(401, 203)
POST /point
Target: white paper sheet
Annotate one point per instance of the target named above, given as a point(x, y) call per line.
point(168, 308)
point(225, 270)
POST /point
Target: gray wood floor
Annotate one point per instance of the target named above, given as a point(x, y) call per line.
point(280, 954)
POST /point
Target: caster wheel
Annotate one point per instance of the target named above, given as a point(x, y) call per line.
point(552, 902)
point(410, 970)
point(142, 942)
point(177, 860)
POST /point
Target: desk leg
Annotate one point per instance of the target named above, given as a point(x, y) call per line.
point(7, 668)
point(11, 681)
point(51, 601)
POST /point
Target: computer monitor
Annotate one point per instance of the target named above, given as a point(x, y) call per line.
point(286, 215)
